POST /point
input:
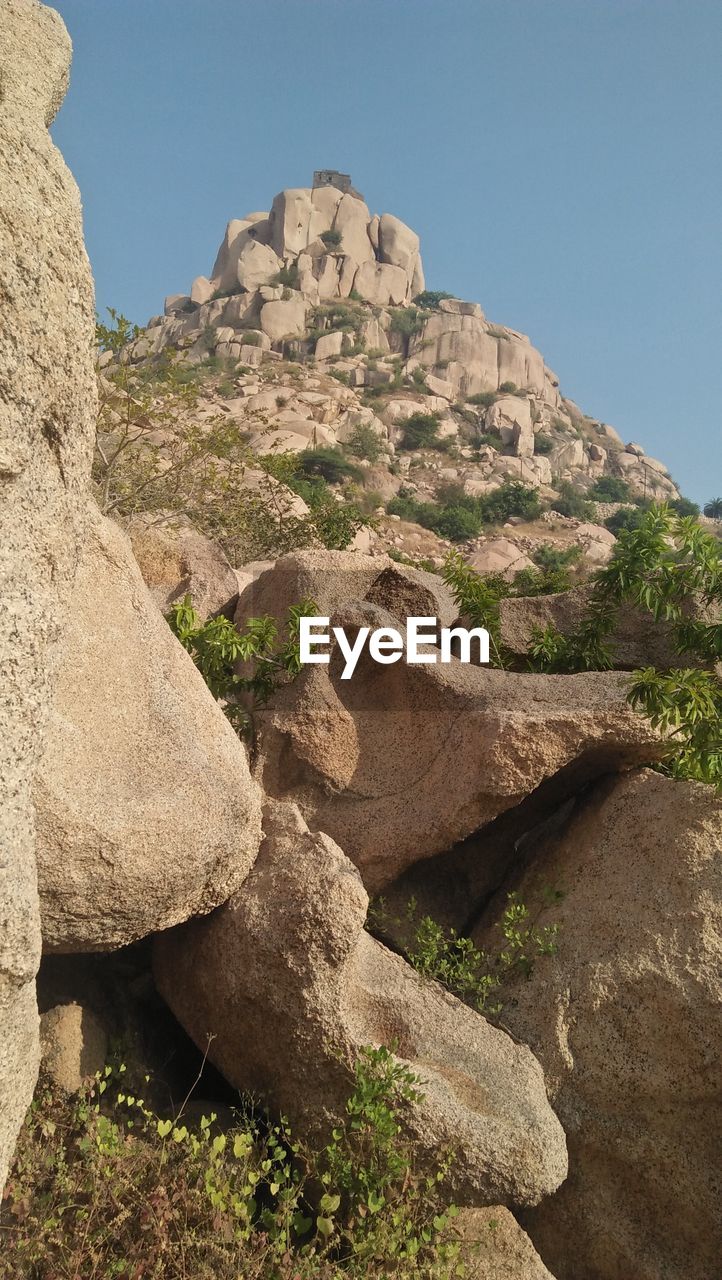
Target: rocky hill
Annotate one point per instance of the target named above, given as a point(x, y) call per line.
point(405, 977)
point(317, 315)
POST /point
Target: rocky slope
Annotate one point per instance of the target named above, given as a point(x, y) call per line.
point(317, 313)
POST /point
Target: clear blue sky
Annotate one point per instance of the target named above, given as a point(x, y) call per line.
point(559, 158)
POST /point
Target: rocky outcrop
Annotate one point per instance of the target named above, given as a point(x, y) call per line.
point(330, 578)
point(286, 964)
point(47, 416)
point(366, 759)
point(145, 808)
point(626, 1020)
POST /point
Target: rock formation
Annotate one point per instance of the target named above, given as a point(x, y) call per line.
point(626, 1021)
point(286, 965)
point(146, 812)
point(47, 419)
point(366, 759)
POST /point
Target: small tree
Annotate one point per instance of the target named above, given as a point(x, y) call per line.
point(421, 431)
point(713, 509)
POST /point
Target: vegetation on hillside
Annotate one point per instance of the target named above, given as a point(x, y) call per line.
point(157, 454)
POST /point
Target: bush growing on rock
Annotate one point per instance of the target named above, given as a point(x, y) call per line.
point(572, 503)
point(328, 462)
point(216, 647)
point(365, 443)
point(664, 565)
point(421, 431)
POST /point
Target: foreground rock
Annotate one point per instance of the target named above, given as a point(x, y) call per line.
point(366, 759)
point(284, 987)
point(626, 1020)
point(47, 414)
point(146, 811)
point(494, 1247)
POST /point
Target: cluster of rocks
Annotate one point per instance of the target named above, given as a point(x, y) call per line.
point(275, 289)
point(132, 811)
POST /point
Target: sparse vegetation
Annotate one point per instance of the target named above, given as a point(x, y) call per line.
point(217, 646)
point(331, 239)
point(429, 299)
point(474, 976)
point(365, 443)
point(609, 489)
point(571, 502)
point(104, 1186)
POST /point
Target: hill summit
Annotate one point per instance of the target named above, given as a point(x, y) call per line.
point(327, 302)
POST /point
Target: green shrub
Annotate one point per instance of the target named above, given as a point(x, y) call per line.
point(331, 239)
point(609, 489)
point(510, 389)
point(217, 646)
point(624, 518)
point(484, 398)
point(421, 431)
point(664, 566)
point(542, 443)
point(287, 276)
point(328, 462)
point(458, 524)
point(365, 443)
point(103, 1185)
point(429, 299)
point(572, 503)
point(453, 960)
point(684, 506)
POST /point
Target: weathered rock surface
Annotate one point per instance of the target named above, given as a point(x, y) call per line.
point(626, 1020)
point(500, 555)
point(74, 1045)
point(286, 965)
point(367, 758)
point(146, 810)
point(330, 578)
point(494, 1247)
point(47, 417)
point(175, 560)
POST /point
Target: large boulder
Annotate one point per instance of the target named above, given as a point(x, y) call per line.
point(284, 319)
point(381, 284)
point(398, 244)
point(284, 987)
point(500, 555)
point(146, 811)
point(626, 1019)
point(257, 265)
point(47, 422)
point(367, 758)
point(330, 578)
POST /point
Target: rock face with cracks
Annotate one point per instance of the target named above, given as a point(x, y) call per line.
point(366, 759)
point(146, 810)
point(289, 986)
point(626, 1021)
point(47, 415)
